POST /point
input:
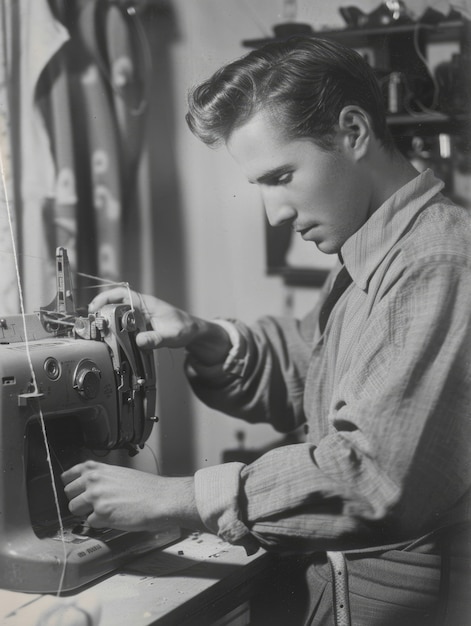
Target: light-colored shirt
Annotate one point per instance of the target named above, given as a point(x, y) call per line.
point(385, 393)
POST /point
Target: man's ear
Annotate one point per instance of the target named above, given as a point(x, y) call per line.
point(356, 131)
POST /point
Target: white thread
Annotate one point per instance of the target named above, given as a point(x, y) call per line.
point(154, 456)
point(59, 322)
point(112, 282)
point(35, 384)
point(129, 296)
point(102, 280)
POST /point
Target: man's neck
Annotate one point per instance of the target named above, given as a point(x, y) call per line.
point(388, 172)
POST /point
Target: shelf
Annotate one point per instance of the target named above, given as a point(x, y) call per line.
point(435, 32)
point(428, 123)
point(400, 119)
point(433, 117)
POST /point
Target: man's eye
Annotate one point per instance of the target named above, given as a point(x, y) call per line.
point(283, 180)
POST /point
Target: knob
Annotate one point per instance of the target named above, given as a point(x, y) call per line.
point(129, 321)
point(52, 368)
point(87, 379)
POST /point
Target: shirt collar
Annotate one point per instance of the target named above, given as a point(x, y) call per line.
point(364, 250)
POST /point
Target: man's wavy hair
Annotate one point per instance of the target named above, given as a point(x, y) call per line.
point(303, 83)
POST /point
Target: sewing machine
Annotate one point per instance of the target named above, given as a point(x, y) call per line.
point(78, 388)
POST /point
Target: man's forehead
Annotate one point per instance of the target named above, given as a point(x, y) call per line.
point(265, 154)
point(258, 126)
point(259, 146)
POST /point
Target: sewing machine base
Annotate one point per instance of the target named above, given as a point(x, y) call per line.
point(38, 563)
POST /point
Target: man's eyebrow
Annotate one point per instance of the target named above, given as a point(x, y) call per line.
point(272, 174)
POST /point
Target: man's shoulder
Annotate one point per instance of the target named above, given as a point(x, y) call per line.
point(437, 243)
point(442, 230)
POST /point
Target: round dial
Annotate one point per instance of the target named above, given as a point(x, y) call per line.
point(87, 379)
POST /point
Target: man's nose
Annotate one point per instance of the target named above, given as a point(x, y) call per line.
point(278, 213)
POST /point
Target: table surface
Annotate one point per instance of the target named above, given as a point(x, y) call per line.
point(193, 581)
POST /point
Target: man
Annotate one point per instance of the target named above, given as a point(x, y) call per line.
point(382, 382)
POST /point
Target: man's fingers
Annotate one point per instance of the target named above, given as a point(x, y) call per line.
point(117, 294)
point(149, 339)
point(80, 506)
point(74, 488)
point(73, 473)
point(95, 521)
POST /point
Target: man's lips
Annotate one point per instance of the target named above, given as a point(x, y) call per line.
point(303, 230)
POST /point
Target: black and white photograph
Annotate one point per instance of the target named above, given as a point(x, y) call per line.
point(235, 313)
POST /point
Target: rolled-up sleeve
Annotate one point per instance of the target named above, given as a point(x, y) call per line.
point(217, 493)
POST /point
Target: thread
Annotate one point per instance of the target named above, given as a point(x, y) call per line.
point(111, 283)
point(106, 281)
point(129, 296)
point(154, 456)
point(59, 322)
point(35, 383)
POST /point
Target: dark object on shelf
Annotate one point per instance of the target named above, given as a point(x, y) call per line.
point(408, 93)
point(391, 13)
point(454, 87)
point(432, 16)
point(292, 29)
point(386, 14)
point(353, 16)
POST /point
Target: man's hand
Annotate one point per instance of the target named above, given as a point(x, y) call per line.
point(111, 496)
point(171, 327)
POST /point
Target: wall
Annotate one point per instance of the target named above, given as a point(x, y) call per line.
point(221, 217)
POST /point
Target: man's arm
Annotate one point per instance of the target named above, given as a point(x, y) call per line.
point(267, 382)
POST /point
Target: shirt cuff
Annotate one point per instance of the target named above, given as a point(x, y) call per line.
point(217, 495)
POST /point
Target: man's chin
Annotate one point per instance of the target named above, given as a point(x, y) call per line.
point(327, 247)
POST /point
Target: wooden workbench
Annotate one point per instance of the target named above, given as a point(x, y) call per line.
point(194, 582)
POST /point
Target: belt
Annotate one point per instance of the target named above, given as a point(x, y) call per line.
point(338, 566)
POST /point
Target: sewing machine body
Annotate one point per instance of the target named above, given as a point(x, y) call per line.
point(93, 397)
